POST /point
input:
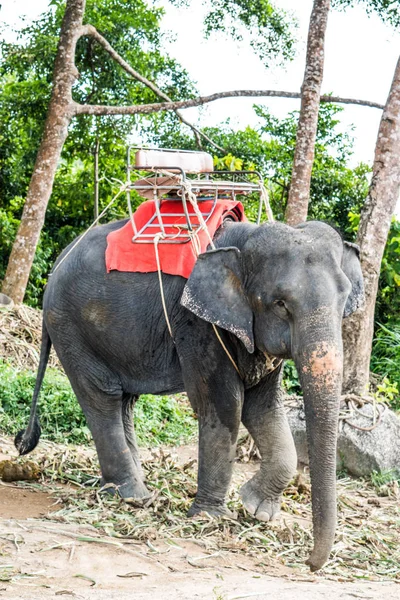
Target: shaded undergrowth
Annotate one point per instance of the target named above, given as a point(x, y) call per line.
point(158, 420)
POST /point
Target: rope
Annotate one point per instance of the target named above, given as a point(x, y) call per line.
point(225, 348)
point(193, 201)
point(351, 400)
point(157, 238)
point(265, 199)
point(122, 189)
point(353, 403)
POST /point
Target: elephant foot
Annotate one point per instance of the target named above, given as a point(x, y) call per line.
point(214, 510)
point(262, 506)
point(132, 492)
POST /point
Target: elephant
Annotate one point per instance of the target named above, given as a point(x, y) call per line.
point(265, 291)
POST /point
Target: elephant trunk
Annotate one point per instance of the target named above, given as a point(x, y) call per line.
point(319, 361)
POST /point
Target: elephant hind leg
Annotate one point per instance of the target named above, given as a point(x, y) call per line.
point(128, 404)
point(102, 401)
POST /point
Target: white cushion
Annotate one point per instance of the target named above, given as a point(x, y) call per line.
point(191, 162)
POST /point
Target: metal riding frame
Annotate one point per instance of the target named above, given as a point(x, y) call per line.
point(171, 175)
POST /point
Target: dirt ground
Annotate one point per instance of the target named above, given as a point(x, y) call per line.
point(41, 558)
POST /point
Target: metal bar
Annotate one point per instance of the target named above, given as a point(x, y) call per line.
point(212, 208)
point(170, 226)
point(138, 233)
point(170, 168)
point(197, 183)
point(183, 214)
point(204, 183)
point(163, 241)
point(173, 235)
point(222, 185)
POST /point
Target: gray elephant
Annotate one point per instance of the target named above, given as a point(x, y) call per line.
point(269, 290)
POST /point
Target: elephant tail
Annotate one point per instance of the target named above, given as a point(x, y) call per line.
point(27, 439)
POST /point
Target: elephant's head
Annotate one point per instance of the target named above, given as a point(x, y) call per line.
point(285, 292)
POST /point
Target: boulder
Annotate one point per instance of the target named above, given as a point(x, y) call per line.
point(6, 301)
point(364, 445)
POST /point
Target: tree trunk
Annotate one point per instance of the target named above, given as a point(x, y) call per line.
point(96, 178)
point(299, 193)
point(54, 135)
point(372, 235)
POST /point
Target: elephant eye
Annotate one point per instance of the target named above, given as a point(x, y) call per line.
point(280, 303)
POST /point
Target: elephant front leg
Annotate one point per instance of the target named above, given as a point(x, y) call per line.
point(217, 451)
point(265, 418)
point(216, 394)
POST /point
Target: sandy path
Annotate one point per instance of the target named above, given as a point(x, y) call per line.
point(41, 558)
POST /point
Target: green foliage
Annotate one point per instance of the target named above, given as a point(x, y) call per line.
point(386, 483)
point(388, 299)
point(335, 188)
point(387, 10)
point(385, 361)
point(158, 420)
point(387, 392)
point(164, 420)
point(291, 383)
point(270, 28)
point(43, 257)
point(61, 417)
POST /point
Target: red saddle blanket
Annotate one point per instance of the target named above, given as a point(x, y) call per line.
point(175, 259)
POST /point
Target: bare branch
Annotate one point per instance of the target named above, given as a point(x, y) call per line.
point(339, 100)
point(91, 31)
point(91, 109)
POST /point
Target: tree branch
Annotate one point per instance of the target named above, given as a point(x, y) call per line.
point(91, 109)
point(91, 31)
point(339, 100)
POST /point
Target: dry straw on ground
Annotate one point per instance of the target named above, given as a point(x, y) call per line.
point(367, 542)
point(20, 337)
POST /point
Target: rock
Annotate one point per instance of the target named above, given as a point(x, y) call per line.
point(359, 452)
point(6, 301)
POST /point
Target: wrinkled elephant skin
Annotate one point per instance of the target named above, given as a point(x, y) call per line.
point(269, 290)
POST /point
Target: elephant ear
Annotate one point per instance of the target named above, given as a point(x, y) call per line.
point(352, 269)
point(214, 292)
